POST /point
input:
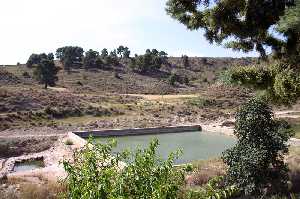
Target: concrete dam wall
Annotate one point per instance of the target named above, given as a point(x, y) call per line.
point(137, 131)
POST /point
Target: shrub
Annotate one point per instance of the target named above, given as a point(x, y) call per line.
point(79, 83)
point(96, 174)
point(26, 75)
point(186, 80)
point(256, 164)
point(173, 78)
point(58, 112)
point(117, 75)
point(185, 61)
point(69, 142)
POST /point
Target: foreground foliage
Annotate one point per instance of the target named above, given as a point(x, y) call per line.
point(95, 174)
point(256, 162)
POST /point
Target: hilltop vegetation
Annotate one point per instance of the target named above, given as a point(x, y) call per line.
point(97, 94)
point(148, 74)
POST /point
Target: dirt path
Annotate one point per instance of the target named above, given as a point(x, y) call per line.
point(163, 97)
point(59, 89)
point(288, 114)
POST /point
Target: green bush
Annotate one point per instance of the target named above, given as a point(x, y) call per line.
point(173, 78)
point(26, 74)
point(256, 162)
point(279, 81)
point(59, 112)
point(96, 174)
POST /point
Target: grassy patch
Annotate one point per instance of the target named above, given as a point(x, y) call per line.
point(49, 190)
point(201, 102)
point(79, 120)
point(296, 128)
point(293, 161)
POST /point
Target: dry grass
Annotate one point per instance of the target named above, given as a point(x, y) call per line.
point(204, 170)
point(296, 128)
point(45, 191)
point(293, 161)
point(23, 189)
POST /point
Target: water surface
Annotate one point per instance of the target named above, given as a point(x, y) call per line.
point(28, 165)
point(195, 145)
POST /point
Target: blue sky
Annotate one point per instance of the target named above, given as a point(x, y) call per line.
point(36, 26)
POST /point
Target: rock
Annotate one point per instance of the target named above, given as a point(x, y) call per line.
point(228, 123)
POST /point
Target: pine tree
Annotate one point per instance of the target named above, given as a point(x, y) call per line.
point(45, 70)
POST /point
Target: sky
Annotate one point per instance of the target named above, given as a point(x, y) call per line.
point(37, 26)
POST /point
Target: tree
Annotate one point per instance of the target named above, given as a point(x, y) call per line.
point(112, 58)
point(252, 25)
point(70, 56)
point(123, 52)
point(33, 60)
point(104, 53)
point(90, 59)
point(120, 51)
point(45, 70)
point(279, 81)
point(163, 56)
point(126, 53)
point(289, 25)
point(185, 61)
point(152, 60)
point(249, 22)
point(99, 62)
point(154, 52)
point(256, 162)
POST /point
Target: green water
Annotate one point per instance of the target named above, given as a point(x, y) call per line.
point(195, 145)
point(28, 165)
